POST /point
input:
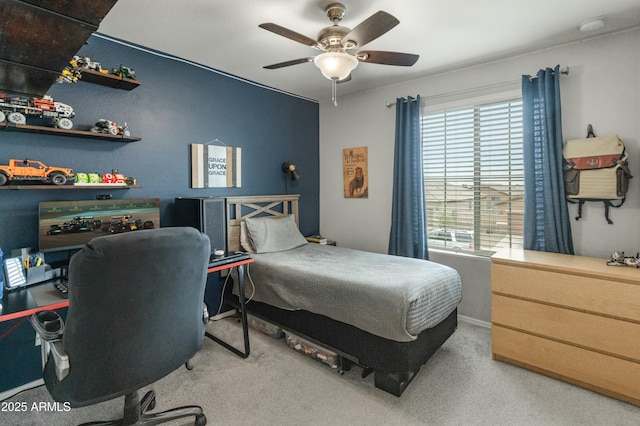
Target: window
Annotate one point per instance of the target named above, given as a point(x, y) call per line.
point(474, 178)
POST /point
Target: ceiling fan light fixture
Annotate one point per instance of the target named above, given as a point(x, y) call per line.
point(335, 65)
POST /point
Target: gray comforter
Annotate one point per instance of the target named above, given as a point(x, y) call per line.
point(389, 296)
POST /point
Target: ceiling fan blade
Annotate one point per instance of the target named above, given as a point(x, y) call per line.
point(288, 63)
point(290, 34)
point(371, 28)
point(387, 58)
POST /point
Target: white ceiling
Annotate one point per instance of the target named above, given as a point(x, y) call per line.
point(446, 34)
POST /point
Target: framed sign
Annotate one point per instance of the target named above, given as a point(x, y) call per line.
point(214, 166)
point(355, 172)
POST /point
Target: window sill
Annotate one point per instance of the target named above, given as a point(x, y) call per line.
point(462, 253)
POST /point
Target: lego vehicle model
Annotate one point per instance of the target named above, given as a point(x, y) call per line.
point(31, 170)
point(124, 72)
point(117, 178)
point(110, 127)
point(16, 109)
point(86, 62)
point(69, 75)
point(619, 259)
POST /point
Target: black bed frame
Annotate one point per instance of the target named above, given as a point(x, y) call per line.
point(394, 364)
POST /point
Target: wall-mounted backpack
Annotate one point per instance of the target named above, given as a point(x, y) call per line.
point(596, 169)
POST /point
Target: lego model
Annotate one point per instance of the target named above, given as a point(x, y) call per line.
point(16, 109)
point(619, 259)
point(86, 62)
point(116, 177)
point(124, 72)
point(110, 127)
point(69, 75)
point(31, 170)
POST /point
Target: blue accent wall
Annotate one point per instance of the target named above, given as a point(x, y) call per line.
point(177, 104)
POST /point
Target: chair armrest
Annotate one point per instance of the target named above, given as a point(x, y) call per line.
point(60, 359)
point(50, 327)
point(48, 324)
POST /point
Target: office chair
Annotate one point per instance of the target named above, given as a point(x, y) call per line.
point(135, 315)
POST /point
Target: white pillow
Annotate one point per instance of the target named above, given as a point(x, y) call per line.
point(274, 233)
point(245, 241)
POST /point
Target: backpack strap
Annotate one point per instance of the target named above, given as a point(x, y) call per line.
point(580, 204)
point(607, 205)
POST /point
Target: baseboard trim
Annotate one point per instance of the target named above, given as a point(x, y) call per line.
point(474, 321)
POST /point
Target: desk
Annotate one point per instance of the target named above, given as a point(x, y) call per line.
point(27, 301)
point(218, 265)
point(21, 363)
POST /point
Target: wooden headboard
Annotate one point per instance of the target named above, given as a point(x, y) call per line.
point(242, 207)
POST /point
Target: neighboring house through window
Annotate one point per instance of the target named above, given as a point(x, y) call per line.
point(473, 173)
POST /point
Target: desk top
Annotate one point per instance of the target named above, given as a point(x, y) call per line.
point(224, 262)
point(26, 301)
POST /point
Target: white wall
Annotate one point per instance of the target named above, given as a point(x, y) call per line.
point(602, 89)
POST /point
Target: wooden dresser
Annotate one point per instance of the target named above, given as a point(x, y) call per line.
point(569, 317)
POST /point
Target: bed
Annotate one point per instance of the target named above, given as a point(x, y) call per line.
point(388, 319)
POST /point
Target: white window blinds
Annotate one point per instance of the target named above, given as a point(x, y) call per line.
point(474, 179)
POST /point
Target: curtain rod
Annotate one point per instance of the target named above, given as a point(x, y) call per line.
point(564, 71)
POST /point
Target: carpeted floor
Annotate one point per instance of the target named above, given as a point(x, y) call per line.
point(460, 385)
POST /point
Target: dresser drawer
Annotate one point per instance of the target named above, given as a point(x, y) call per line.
point(606, 335)
point(595, 371)
point(597, 295)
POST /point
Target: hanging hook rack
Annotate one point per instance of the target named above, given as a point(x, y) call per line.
point(216, 141)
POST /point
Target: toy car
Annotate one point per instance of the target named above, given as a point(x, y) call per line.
point(86, 62)
point(16, 109)
point(110, 127)
point(31, 170)
point(117, 178)
point(619, 259)
point(69, 75)
point(124, 72)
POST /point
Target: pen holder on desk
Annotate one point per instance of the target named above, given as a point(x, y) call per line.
point(35, 274)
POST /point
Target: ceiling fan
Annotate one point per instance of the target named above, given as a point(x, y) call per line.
point(336, 63)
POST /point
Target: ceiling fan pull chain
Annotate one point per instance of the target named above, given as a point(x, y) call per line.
point(334, 91)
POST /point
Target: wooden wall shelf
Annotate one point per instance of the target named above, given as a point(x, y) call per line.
point(102, 187)
point(8, 127)
point(91, 76)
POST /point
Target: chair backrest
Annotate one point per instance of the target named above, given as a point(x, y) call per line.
point(135, 312)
